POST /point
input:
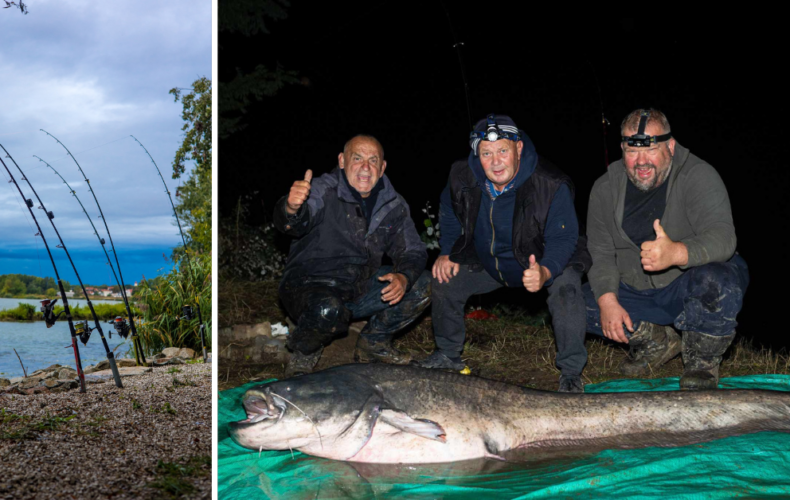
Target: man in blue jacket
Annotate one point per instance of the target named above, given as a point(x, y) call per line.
point(508, 219)
point(344, 222)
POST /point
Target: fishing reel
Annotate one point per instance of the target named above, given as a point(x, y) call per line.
point(187, 310)
point(83, 331)
point(48, 308)
point(121, 326)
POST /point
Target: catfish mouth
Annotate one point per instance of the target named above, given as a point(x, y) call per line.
point(261, 407)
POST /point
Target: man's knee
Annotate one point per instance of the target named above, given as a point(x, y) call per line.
point(717, 287)
point(566, 288)
point(320, 322)
point(440, 291)
point(328, 311)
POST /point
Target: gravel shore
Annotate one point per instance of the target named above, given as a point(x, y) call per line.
point(151, 439)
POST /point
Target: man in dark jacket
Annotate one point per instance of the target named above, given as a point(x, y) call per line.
point(344, 222)
point(663, 247)
point(507, 219)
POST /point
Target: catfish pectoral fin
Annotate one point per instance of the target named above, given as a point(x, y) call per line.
point(417, 426)
point(357, 435)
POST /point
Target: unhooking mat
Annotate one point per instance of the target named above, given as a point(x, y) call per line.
point(753, 466)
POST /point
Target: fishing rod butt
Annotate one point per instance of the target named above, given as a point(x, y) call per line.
point(114, 367)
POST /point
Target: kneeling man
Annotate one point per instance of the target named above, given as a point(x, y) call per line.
point(508, 219)
point(663, 247)
point(344, 222)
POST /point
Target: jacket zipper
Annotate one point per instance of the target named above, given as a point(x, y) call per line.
point(493, 239)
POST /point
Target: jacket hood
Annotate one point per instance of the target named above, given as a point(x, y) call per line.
point(527, 165)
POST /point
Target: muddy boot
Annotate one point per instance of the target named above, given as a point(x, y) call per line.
point(651, 346)
point(374, 348)
point(701, 359)
point(571, 383)
point(438, 360)
point(301, 364)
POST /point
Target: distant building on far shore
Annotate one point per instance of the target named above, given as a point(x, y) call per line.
point(70, 294)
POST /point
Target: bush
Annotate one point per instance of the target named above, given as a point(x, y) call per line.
point(161, 301)
point(22, 312)
point(245, 252)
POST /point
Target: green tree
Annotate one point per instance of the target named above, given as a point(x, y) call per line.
point(248, 18)
point(15, 286)
point(51, 292)
point(194, 196)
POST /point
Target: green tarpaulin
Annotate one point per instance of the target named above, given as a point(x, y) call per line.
point(754, 466)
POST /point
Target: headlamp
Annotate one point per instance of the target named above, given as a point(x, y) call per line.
point(642, 140)
point(494, 132)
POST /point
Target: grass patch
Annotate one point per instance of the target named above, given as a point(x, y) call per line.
point(186, 382)
point(166, 408)
point(518, 347)
point(173, 370)
point(19, 426)
point(244, 302)
point(173, 478)
point(51, 423)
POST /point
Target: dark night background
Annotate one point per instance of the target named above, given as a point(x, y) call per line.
point(389, 69)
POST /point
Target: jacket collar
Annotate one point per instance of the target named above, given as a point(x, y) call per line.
point(385, 202)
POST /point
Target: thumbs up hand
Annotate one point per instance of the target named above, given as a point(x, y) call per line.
point(535, 275)
point(299, 193)
point(663, 253)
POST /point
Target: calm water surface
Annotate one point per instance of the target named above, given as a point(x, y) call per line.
point(39, 346)
point(12, 303)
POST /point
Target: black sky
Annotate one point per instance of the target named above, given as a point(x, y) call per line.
point(389, 68)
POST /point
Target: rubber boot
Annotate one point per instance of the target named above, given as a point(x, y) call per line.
point(301, 364)
point(377, 347)
point(651, 346)
point(701, 359)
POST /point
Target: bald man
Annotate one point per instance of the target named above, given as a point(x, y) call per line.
point(343, 223)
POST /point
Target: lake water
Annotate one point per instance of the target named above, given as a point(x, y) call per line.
point(39, 346)
point(12, 303)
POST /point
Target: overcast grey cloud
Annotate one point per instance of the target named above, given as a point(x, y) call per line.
point(92, 74)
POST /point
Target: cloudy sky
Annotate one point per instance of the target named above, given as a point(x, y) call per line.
point(92, 74)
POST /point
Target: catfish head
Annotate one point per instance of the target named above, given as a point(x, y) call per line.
point(329, 414)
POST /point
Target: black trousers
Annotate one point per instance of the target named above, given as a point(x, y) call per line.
point(566, 305)
point(323, 309)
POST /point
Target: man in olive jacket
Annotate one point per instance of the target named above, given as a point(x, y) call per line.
point(662, 241)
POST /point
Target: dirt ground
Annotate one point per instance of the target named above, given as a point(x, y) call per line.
point(516, 346)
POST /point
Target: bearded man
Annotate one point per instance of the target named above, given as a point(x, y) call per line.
point(662, 240)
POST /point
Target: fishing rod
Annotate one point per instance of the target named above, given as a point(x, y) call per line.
point(137, 345)
point(110, 355)
point(47, 307)
point(120, 325)
point(187, 310)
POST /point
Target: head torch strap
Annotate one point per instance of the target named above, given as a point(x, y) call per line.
point(640, 140)
point(493, 133)
point(643, 116)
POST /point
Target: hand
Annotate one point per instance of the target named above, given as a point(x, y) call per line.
point(663, 253)
point(612, 318)
point(444, 269)
point(300, 191)
point(535, 276)
point(394, 292)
